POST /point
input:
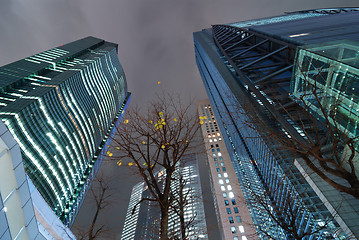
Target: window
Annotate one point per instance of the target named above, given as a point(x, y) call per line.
point(229, 187)
point(227, 180)
point(220, 181)
point(226, 202)
point(231, 195)
point(230, 219)
point(215, 139)
point(218, 170)
point(215, 159)
point(236, 210)
point(233, 229)
point(217, 145)
point(219, 154)
point(235, 238)
point(210, 140)
point(213, 150)
point(219, 175)
point(222, 163)
point(238, 219)
point(234, 201)
point(223, 188)
point(220, 159)
point(241, 228)
point(224, 169)
point(244, 238)
point(214, 154)
point(229, 211)
point(218, 149)
point(225, 174)
point(224, 194)
point(216, 164)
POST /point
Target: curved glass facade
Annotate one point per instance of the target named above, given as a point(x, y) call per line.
point(60, 106)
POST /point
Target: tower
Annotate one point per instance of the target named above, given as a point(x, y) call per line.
point(61, 106)
point(250, 68)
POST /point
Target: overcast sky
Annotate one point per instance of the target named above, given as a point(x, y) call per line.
point(154, 36)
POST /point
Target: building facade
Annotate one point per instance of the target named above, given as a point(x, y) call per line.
point(249, 68)
point(143, 223)
point(61, 106)
point(230, 205)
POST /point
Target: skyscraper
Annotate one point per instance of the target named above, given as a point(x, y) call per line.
point(230, 206)
point(143, 222)
point(61, 106)
point(254, 66)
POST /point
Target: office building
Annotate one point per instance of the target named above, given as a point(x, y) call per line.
point(62, 106)
point(143, 223)
point(24, 214)
point(231, 208)
point(252, 67)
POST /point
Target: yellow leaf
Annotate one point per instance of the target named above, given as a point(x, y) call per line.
point(118, 148)
point(108, 152)
point(143, 142)
point(204, 117)
point(126, 121)
point(150, 121)
point(201, 122)
point(110, 155)
point(163, 146)
point(159, 82)
point(160, 114)
point(108, 145)
point(119, 163)
point(145, 164)
point(175, 119)
point(130, 164)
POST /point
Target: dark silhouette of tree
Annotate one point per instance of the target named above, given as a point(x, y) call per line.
point(157, 141)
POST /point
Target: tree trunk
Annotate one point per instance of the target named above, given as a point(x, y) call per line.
point(164, 223)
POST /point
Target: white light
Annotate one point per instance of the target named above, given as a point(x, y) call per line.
point(231, 195)
point(298, 35)
point(241, 228)
point(225, 174)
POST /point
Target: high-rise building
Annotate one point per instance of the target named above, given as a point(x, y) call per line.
point(62, 106)
point(253, 66)
point(230, 206)
point(143, 222)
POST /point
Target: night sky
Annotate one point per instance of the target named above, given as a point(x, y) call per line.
point(155, 44)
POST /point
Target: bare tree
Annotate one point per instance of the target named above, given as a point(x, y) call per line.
point(100, 193)
point(158, 141)
point(316, 134)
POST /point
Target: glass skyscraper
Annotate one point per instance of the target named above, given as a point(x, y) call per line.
point(253, 66)
point(62, 106)
point(143, 222)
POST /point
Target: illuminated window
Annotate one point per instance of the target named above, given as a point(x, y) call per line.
point(233, 229)
point(226, 202)
point(223, 188)
point(234, 201)
point(219, 154)
point(230, 219)
point(219, 175)
point(227, 180)
point(220, 181)
point(224, 194)
point(231, 195)
point(244, 238)
point(225, 174)
point(241, 228)
point(238, 219)
point(229, 187)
